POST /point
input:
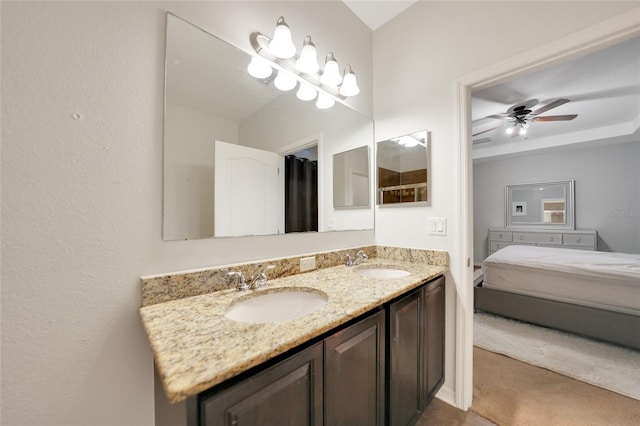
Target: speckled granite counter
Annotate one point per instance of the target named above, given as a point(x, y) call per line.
point(196, 346)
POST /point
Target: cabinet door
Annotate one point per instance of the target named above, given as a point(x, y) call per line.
point(354, 374)
point(433, 339)
point(289, 393)
point(405, 399)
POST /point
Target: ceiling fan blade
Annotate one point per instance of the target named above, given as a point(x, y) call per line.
point(497, 116)
point(522, 106)
point(549, 106)
point(484, 131)
point(555, 117)
point(481, 140)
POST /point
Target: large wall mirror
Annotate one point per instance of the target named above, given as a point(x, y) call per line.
point(545, 205)
point(241, 157)
point(403, 165)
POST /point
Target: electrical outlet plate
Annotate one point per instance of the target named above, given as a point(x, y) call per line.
point(307, 263)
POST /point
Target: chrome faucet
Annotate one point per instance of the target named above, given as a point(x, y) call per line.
point(359, 257)
point(258, 281)
point(241, 285)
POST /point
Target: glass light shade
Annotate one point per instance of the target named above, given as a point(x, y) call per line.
point(259, 68)
point(308, 61)
point(522, 131)
point(331, 74)
point(281, 44)
point(509, 130)
point(324, 101)
point(349, 85)
point(285, 81)
point(306, 92)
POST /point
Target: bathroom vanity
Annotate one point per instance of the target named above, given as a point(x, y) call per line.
point(373, 354)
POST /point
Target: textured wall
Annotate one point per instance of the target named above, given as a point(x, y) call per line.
point(82, 96)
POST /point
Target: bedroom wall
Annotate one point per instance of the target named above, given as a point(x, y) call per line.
point(607, 191)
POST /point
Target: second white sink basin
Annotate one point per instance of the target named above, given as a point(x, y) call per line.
point(382, 272)
point(277, 306)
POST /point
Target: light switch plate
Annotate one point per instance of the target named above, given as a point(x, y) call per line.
point(437, 226)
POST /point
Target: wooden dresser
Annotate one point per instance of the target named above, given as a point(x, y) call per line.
point(581, 239)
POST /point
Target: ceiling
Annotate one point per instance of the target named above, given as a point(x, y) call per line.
point(603, 89)
point(377, 13)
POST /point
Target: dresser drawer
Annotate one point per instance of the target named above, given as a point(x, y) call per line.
point(587, 240)
point(499, 235)
point(547, 238)
point(497, 245)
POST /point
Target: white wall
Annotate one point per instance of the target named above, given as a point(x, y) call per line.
point(607, 191)
point(418, 57)
point(82, 198)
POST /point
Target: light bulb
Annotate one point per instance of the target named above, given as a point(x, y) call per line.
point(522, 131)
point(349, 83)
point(259, 68)
point(324, 101)
point(509, 130)
point(306, 92)
point(281, 45)
point(285, 81)
point(331, 73)
point(308, 61)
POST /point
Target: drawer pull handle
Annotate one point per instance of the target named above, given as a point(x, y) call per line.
point(499, 235)
point(550, 238)
point(521, 237)
point(578, 239)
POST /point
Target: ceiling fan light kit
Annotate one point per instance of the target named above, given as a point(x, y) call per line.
point(520, 116)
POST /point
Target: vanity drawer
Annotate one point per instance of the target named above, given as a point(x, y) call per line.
point(500, 236)
point(547, 238)
point(587, 240)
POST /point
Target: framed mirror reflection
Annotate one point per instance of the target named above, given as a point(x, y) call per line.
point(228, 134)
point(543, 205)
point(403, 170)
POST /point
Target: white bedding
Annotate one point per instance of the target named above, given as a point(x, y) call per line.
point(590, 278)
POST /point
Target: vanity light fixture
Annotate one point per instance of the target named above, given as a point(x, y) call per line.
point(279, 55)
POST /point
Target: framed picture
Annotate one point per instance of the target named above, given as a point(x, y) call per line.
point(519, 208)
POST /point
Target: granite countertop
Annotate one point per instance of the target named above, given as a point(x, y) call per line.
point(196, 346)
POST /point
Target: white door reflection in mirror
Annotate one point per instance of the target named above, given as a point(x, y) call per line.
point(249, 191)
point(351, 178)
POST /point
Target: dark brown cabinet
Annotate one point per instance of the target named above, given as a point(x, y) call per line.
point(416, 351)
point(354, 382)
point(289, 393)
point(382, 369)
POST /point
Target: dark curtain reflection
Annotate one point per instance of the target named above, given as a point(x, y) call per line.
point(301, 194)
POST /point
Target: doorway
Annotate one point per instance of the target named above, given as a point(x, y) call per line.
point(617, 30)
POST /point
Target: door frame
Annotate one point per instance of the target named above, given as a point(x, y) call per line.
point(604, 34)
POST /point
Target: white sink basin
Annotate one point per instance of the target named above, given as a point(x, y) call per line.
point(382, 272)
point(276, 306)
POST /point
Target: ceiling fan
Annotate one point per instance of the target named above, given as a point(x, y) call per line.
point(520, 115)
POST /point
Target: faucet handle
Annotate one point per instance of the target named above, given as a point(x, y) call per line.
point(260, 280)
point(241, 285)
point(349, 260)
point(361, 255)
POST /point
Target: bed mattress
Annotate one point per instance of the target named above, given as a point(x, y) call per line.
point(596, 279)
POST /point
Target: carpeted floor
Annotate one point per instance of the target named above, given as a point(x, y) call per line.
point(606, 365)
point(507, 392)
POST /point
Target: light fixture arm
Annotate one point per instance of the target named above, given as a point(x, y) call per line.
point(260, 43)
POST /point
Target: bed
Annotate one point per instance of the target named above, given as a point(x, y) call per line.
point(595, 294)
